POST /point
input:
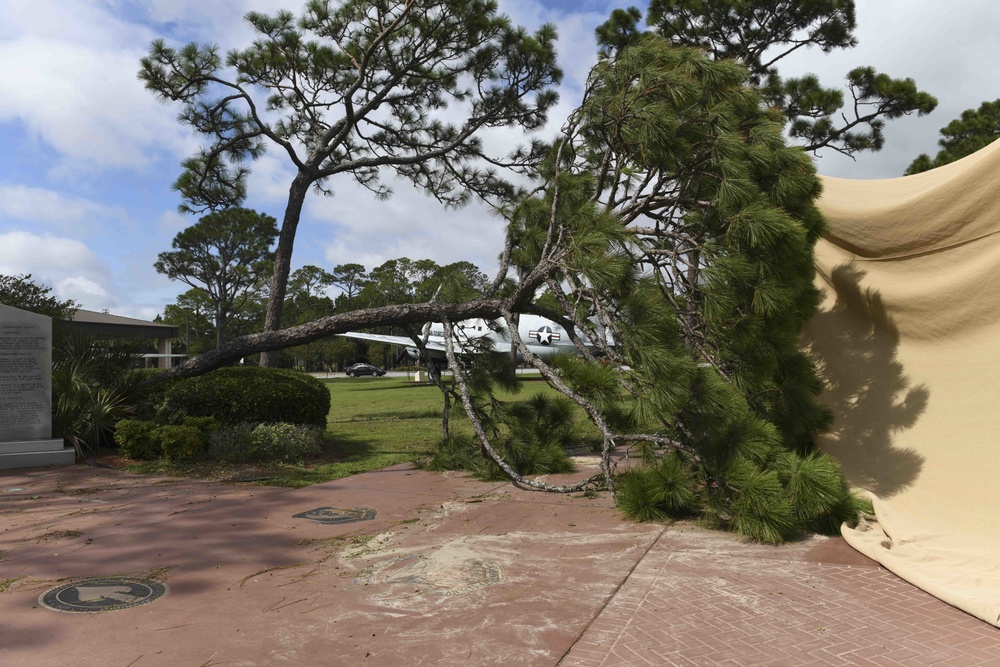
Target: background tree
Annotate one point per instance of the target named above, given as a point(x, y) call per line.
point(310, 282)
point(354, 88)
point(193, 315)
point(459, 281)
point(973, 130)
point(22, 292)
point(402, 280)
point(307, 301)
point(349, 278)
point(759, 34)
point(224, 255)
point(388, 283)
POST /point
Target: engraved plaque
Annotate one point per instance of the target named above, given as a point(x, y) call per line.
point(25, 375)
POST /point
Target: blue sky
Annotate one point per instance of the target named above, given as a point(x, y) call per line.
point(87, 156)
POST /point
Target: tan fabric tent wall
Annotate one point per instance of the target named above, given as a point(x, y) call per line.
point(908, 340)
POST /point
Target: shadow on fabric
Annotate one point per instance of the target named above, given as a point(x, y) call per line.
point(854, 344)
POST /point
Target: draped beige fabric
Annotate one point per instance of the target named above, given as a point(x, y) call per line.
point(908, 340)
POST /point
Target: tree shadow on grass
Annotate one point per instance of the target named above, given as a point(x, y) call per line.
point(393, 385)
point(855, 346)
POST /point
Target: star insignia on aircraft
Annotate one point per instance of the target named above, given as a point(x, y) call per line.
point(544, 335)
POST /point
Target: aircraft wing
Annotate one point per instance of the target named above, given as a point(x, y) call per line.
point(402, 341)
point(380, 338)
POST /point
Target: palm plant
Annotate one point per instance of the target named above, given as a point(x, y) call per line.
point(92, 387)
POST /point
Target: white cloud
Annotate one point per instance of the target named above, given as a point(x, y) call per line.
point(174, 221)
point(81, 22)
point(269, 179)
point(19, 248)
point(86, 103)
point(48, 207)
point(409, 224)
point(82, 290)
point(59, 262)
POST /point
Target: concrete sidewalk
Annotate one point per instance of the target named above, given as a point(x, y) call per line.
point(450, 571)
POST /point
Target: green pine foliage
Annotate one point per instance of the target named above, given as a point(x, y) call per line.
point(974, 130)
point(690, 225)
point(759, 34)
point(532, 436)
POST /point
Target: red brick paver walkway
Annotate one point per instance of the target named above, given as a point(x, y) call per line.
point(701, 598)
point(452, 571)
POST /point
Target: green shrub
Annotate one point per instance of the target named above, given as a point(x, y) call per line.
point(137, 439)
point(247, 394)
point(148, 399)
point(287, 442)
point(204, 425)
point(264, 443)
point(181, 443)
point(231, 443)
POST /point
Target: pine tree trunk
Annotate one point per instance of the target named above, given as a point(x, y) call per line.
point(283, 261)
point(220, 327)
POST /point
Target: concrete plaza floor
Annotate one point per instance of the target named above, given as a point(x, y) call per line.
point(450, 571)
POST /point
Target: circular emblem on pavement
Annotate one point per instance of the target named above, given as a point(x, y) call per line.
point(333, 515)
point(102, 594)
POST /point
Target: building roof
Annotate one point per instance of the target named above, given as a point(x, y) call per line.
point(116, 326)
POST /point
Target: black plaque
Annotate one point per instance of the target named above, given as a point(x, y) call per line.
point(102, 594)
point(334, 515)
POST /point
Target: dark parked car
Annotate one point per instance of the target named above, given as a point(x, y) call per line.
point(363, 369)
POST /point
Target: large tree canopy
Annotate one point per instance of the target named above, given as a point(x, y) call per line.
point(759, 34)
point(356, 88)
point(973, 130)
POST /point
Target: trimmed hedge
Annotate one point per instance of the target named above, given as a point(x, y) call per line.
point(138, 439)
point(236, 395)
point(181, 443)
point(205, 438)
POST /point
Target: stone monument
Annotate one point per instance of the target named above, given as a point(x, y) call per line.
point(26, 392)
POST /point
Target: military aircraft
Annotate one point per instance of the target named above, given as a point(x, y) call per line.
point(543, 337)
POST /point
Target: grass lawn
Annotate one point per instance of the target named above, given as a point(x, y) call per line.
point(373, 423)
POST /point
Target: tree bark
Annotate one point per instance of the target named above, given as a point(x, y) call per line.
point(283, 260)
point(220, 326)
